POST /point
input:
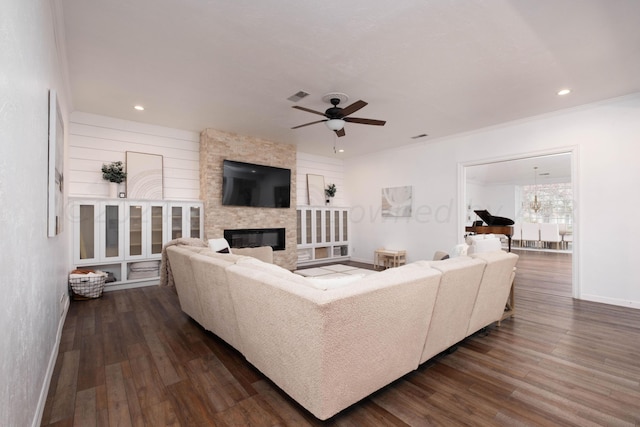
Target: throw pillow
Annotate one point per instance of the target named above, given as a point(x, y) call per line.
point(219, 245)
point(459, 250)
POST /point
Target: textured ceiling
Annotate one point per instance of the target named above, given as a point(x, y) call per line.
point(426, 66)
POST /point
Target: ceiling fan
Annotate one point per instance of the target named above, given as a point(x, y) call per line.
point(337, 116)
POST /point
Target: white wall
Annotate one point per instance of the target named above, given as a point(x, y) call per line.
point(33, 267)
point(605, 138)
point(498, 199)
point(95, 140)
point(331, 168)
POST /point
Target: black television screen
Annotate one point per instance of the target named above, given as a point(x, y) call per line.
point(246, 184)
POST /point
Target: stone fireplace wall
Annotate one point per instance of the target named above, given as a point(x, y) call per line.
point(216, 146)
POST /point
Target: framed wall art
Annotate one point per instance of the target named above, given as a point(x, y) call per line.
point(397, 201)
point(55, 177)
point(144, 176)
point(315, 187)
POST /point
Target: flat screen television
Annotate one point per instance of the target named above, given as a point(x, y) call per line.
point(246, 184)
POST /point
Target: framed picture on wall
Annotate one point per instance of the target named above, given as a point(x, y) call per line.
point(144, 176)
point(55, 178)
point(396, 201)
point(315, 187)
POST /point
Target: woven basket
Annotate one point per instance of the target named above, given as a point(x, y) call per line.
point(86, 286)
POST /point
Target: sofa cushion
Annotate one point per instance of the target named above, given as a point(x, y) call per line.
point(263, 253)
point(444, 262)
point(228, 257)
point(184, 281)
point(483, 243)
point(265, 266)
point(218, 313)
point(494, 288)
point(334, 282)
point(456, 298)
point(329, 349)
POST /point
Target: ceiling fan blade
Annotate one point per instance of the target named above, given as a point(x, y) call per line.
point(353, 108)
point(364, 121)
point(307, 124)
point(340, 132)
point(297, 107)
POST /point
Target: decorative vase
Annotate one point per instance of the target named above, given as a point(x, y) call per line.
point(113, 190)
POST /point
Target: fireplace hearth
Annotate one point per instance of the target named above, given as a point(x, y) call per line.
point(255, 237)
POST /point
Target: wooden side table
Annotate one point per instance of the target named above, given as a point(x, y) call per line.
point(387, 258)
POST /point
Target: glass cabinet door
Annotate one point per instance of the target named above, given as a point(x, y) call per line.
point(308, 225)
point(111, 230)
point(327, 226)
point(345, 226)
point(135, 230)
point(194, 222)
point(176, 222)
point(318, 226)
point(157, 229)
point(86, 231)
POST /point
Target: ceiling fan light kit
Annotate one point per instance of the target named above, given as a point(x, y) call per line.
point(337, 116)
point(335, 124)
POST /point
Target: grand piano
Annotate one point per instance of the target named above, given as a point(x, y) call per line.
point(495, 225)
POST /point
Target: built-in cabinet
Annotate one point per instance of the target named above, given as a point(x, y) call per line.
point(125, 237)
point(323, 234)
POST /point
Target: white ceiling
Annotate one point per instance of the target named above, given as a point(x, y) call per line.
point(438, 67)
point(550, 169)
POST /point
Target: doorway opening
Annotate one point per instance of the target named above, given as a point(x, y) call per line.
point(508, 187)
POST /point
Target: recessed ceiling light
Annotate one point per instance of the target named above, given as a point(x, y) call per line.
point(341, 151)
point(139, 107)
point(564, 92)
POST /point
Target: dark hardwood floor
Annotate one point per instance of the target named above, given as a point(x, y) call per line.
point(133, 358)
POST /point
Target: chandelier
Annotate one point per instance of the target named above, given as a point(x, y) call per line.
point(535, 205)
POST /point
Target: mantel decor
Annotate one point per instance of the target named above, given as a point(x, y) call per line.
point(330, 192)
point(115, 174)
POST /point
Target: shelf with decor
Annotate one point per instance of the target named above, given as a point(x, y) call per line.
point(125, 237)
point(323, 234)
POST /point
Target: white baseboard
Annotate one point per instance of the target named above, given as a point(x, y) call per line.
point(611, 301)
point(37, 420)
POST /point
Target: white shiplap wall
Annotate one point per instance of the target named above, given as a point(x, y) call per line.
point(332, 170)
point(95, 140)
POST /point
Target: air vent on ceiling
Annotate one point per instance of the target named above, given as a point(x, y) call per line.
point(422, 135)
point(298, 96)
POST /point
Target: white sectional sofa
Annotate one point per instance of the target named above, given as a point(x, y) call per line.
point(330, 348)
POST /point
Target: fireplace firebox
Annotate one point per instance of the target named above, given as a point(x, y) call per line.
point(255, 237)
